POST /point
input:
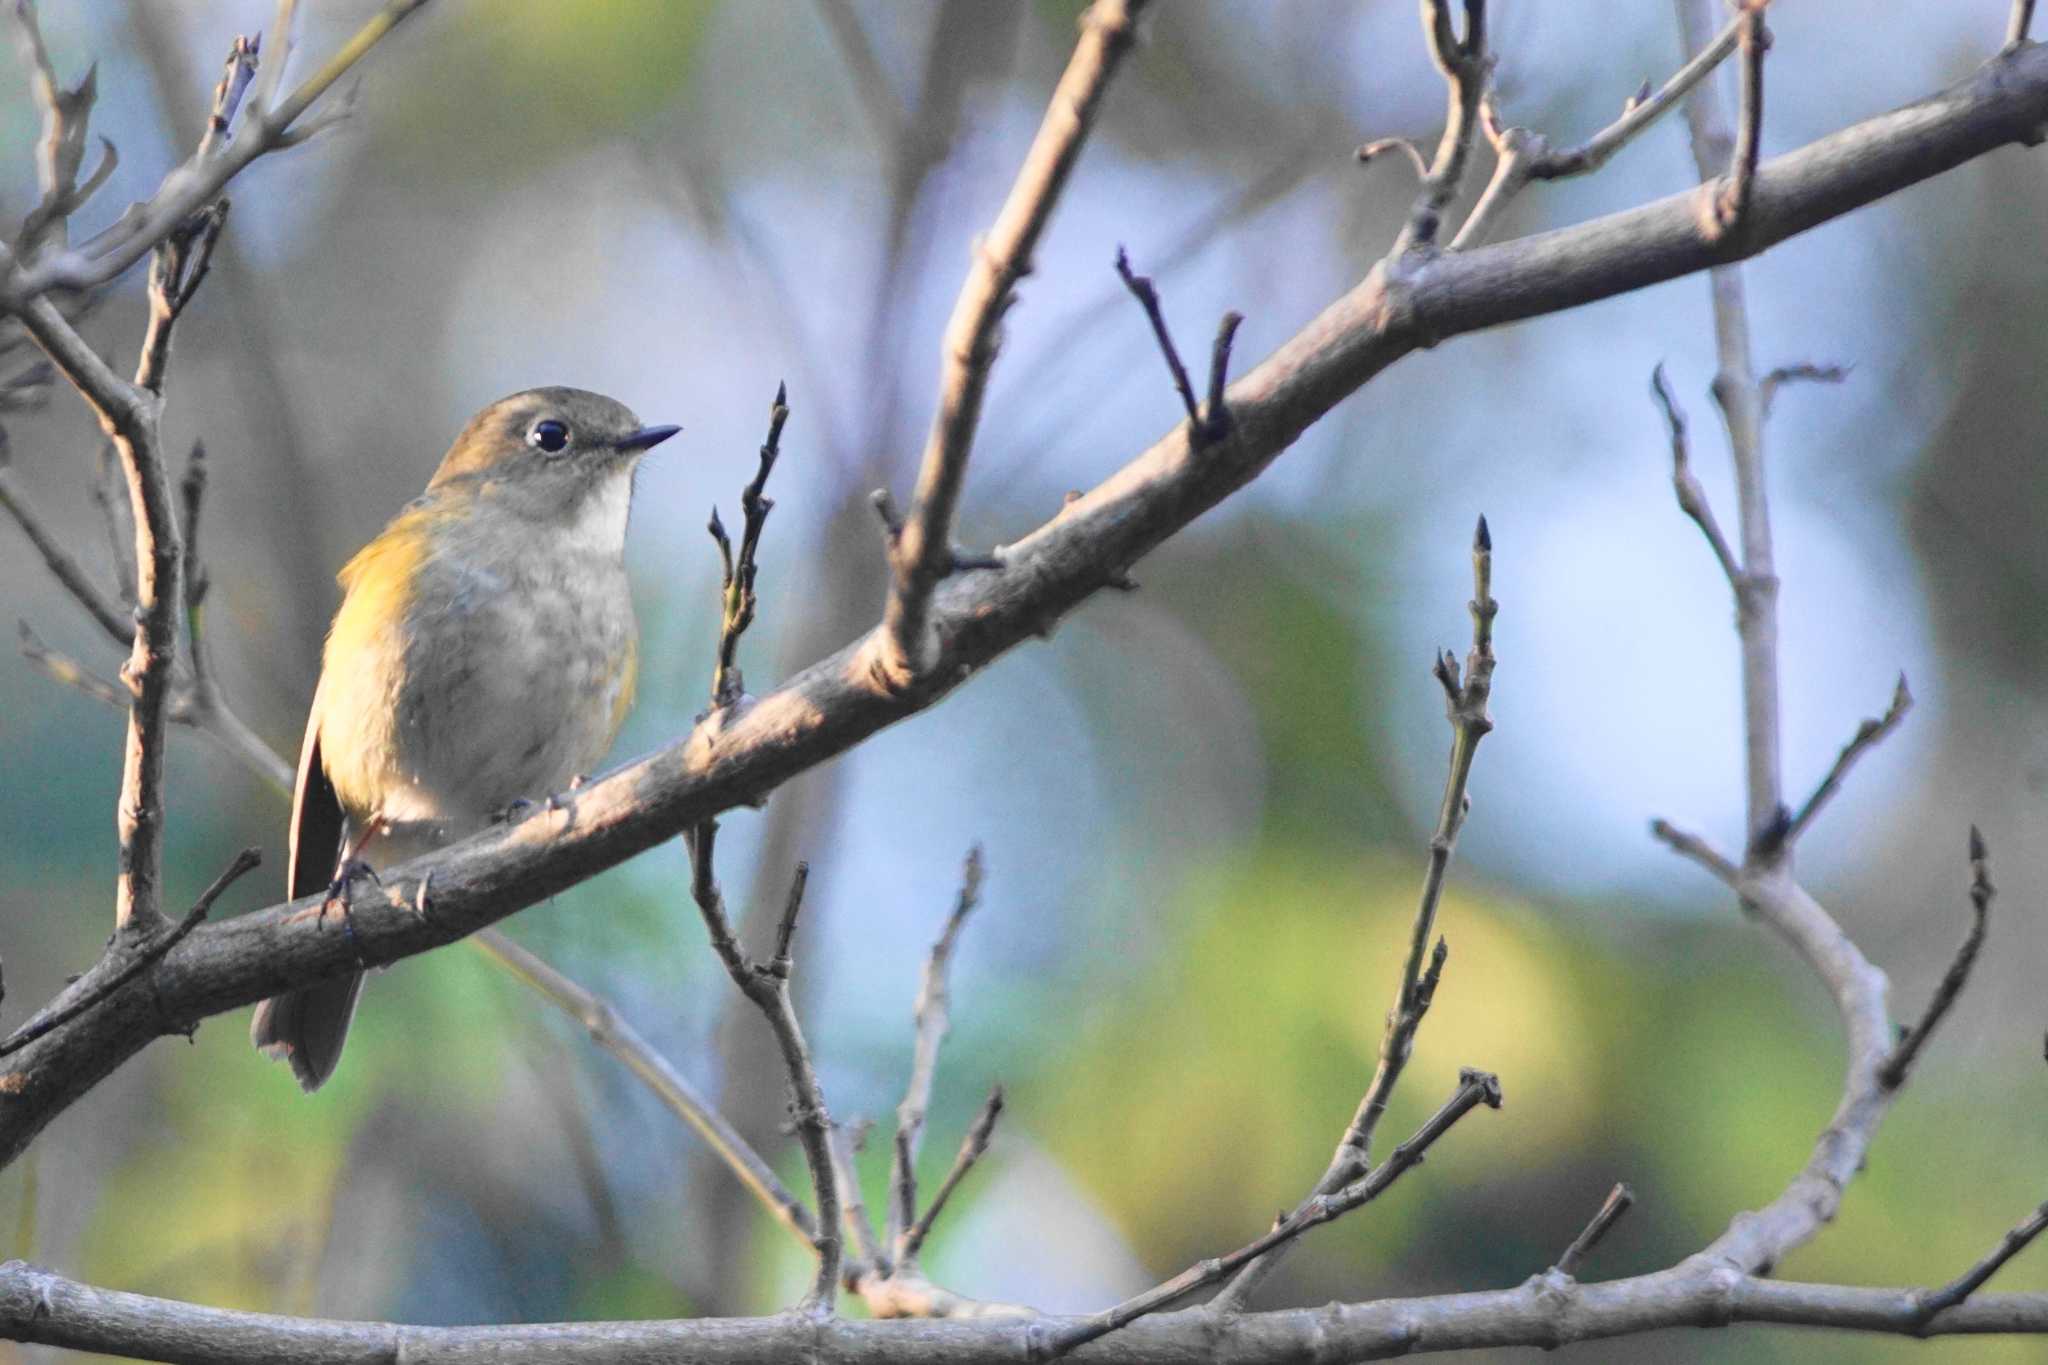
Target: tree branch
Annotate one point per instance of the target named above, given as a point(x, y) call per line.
point(1892, 1074)
point(836, 703)
point(1868, 736)
point(1618, 1202)
point(931, 1022)
point(191, 186)
point(1466, 69)
point(922, 553)
point(766, 984)
point(610, 1031)
point(1970, 1281)
point(1474, 1088)
point(1465, 705)
point(39, 1306)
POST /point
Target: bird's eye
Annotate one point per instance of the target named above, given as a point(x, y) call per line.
point(549, 435)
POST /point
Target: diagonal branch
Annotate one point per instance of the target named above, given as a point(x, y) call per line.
point(1692, 498)
point(1523, 155)
point(766, 985)
point(1868, 736)
point(610, 1031)
point(1892, 1074)
point(1970, 1281)
point(932, 1022)
point(1474, 1088)
point(922, 553)
point(1465, 703)
point(836, 703)
point(1619, 1201)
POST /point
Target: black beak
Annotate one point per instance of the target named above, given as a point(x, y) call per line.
point(646, 438)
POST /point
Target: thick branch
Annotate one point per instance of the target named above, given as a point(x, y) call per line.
point(39, 1306)
point(835, 704)
point(922, 554)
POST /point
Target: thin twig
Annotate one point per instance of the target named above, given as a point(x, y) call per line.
point(1692, 498)
point(931, 1020)
point(610, 1031)
point(1474, 1088)
point(62, 668)
point(972, 1148)
point(192, 185)
point(1466, 67)
point(1731, 202)
point(736, 585)
point(117, 625)
point(1148, 299)
point(1618, 1201)
point(1524, 155)
point(923, 551)
point(1893, 1073)
point(767, 986)
point(1689, 845)
point(1868, 736)
point(1465, 704)
point(1803, 373)
point(147, 955)
point(1970, 1281)
point(873, 1257)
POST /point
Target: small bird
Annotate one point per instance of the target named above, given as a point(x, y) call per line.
point(484, 654)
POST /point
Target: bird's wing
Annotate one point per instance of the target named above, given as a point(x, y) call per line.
point(317, 818)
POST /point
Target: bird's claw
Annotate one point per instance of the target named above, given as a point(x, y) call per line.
point(340, 895)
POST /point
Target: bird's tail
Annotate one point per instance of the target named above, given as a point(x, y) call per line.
point(307, 1027)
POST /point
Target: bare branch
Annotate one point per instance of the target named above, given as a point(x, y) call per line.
point(114, 623)
point(1688, 845)
point(1148, 299)
point(923, 549)
point(1474, 1088)
point(146, 956)
point(1523, 155)
point(737, 585)
point(1740, 400)
point(611, 1032)
point(1372, 151)
point(836, 703)
point(767, 986)
point(1466, 707)
point(1970, 1281)
point(62, 668)
point(1618, 1202)
point(1868, 736)
point(1893, 1073)
point(931, 1023)
point(1731, 203)
point(191, 186)
point(1692, 498)
point(1797, 374)
point(972, 1148)
point(1466, 68)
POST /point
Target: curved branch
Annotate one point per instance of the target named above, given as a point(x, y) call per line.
point(830, 707)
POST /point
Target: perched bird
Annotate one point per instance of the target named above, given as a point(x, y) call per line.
point(484, 654)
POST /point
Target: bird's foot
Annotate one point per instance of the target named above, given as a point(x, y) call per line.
point(341, 894)
point(518, 809)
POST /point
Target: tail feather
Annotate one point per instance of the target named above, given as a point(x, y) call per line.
point(307, 1027)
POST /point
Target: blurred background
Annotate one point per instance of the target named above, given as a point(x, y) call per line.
point(1204, 805)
